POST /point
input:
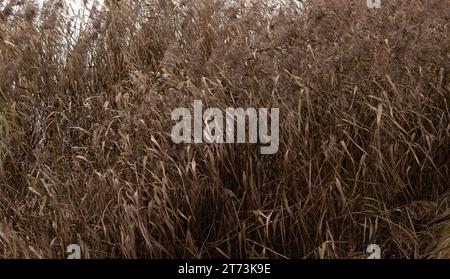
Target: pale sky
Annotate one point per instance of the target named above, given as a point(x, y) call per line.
point(77, 5)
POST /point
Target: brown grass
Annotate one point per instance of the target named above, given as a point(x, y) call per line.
point(86, 155)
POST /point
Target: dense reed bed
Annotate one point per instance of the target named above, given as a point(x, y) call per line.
point(86, 155)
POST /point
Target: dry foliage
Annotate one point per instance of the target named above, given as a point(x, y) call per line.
point(86, 155)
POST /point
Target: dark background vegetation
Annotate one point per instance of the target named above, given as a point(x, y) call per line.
point(86, 155)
